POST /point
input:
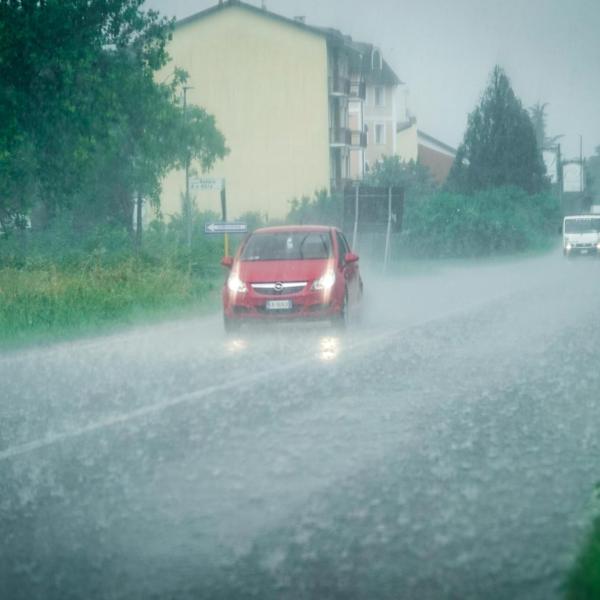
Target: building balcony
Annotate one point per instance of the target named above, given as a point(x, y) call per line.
point(340, 137)
point(339, 86)
point(358, 90)
point(358, 139)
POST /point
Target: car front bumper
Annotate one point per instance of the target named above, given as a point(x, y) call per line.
point(581, 250)
point(253, 307)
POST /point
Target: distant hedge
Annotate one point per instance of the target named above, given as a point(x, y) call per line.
point(503, 220)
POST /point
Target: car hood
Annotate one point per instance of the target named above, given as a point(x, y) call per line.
point(265, 271)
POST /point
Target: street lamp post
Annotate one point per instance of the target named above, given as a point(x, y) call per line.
point(187, 209)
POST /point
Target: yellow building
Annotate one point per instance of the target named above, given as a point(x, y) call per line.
point(279, 90)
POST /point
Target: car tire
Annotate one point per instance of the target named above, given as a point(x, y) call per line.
point(340, 320)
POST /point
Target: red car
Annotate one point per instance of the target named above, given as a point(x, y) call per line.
point(291, 272)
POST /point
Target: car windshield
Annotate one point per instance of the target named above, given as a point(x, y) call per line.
point(583, 225)
point(288, 245)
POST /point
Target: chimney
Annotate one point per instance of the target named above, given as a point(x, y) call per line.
point(300, 19)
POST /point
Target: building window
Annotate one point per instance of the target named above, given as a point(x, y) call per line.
point(379, 96)
point(380, 133)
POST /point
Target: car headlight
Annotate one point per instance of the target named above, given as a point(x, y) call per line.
point(568, 245)
point(325, 282)
point(598, 246)
point(236, 285)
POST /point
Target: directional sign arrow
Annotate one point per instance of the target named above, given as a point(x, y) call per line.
point(225, 227)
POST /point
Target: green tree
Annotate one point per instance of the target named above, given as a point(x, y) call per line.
point(499, 146)
point(84, 124)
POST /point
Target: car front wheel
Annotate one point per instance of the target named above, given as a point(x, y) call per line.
point(340, 320)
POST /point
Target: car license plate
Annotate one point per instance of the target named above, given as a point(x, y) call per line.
point(584, 252)
point(279, 304)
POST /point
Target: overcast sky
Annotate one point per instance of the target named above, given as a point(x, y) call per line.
point(445, 49)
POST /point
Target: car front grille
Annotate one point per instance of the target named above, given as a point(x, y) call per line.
point(278, 288)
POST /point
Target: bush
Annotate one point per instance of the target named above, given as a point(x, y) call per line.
point(583, 582)
point(323, 209)
point(501, 220)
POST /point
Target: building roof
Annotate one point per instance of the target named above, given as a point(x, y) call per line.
point(377, 76)
point(362, 51)
point(403, 126)
point(333, 36)
point(430, 139)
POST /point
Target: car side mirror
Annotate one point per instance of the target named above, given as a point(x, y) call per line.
point(227, 261)
point(350, 257)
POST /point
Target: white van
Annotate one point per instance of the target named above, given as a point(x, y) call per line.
point(581, 235)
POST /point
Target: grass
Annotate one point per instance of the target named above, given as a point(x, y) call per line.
point(584, 580)
point(48, 303)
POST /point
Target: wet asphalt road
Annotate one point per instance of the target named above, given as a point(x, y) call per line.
point(445, 447)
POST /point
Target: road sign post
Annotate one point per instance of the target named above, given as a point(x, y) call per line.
point(224, 217)
point(214, 184)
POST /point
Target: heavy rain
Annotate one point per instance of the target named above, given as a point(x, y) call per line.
point(390, 391)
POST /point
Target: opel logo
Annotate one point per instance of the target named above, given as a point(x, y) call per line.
point(278, 286)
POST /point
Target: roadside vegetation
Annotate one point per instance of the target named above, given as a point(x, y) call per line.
point(56, 284)
point(583, 582)
point(499, 221)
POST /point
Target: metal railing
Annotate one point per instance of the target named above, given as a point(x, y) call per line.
point(340, 136)
point(358, 139)
point(358, 89)
point(339, 86)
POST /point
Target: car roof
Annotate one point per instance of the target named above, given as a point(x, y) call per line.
point(295, 229)
point(576, 217)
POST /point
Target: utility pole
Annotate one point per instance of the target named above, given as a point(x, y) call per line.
point(187, 209)
point(559, 173)
point(138, 222)
point(386, 256)
point(581, 162)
